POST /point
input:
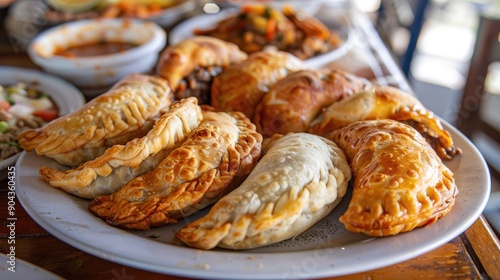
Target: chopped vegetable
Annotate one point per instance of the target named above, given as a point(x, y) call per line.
point(4, 105)
point(73, 6)
point(253, 9)
point(4, 126)
point(270, 29)
point(21, 110)
point(21, 107)
point(46, 114)
point(256, 27)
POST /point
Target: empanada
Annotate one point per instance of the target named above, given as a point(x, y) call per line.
point(400, 183)
point(385, 102)
point(123, 113)
point(299, 180)
point(241, 86)
point(212, 161)
point(121, 163)
point(190, 65)
point(293, 102)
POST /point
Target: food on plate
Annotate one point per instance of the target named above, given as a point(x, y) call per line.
point(121, 163)
point(256, 27)
point(62, 11)
point(213, 160)
point(400, 183)
point(190, 65)
point(94, 49)
point(73, 6)
point(293, 102)
point(241, 86)
point(128, 110)
point(385, 102)
point(22, 107)
point(300, 180)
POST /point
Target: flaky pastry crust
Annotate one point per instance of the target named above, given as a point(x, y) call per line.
point(385, 102)
point(241, 86)
point(179, 60)
point(293, 102)
point(121, 163)
point(125, 112)
point(400, 183)
point(212, 161)
point(299, 180)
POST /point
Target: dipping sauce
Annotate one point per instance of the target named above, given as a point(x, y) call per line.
point(95, 49)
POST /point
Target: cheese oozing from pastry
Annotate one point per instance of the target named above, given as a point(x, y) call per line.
point(123, 113)
point(121, 163)
point(213, 160)
point(299, 180)
point(400, 183)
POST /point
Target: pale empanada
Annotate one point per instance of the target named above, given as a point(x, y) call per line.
point(190, 65)
point(125, 112)
point(385, 102)
point(121, 163)
point(241, 86)
point(293, 102)
point(299, 180)
point(400, 183)
point(212, 161)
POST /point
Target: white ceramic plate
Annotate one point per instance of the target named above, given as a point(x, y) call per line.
point(23, 270)
point(324, 250)
point(185, 30)
point(66, 96)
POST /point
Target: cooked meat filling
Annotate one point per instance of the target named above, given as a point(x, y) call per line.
point(198, 84)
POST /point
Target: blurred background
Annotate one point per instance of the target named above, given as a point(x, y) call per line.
point(449, 51)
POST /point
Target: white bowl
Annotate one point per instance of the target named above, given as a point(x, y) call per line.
point(95, 74)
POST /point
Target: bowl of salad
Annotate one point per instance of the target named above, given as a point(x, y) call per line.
point(30, 99)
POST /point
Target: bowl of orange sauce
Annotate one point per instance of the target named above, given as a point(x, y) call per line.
point(94, 54)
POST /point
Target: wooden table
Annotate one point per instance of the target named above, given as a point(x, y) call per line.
point(474, 254)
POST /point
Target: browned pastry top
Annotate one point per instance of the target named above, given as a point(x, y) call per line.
point(399, 181)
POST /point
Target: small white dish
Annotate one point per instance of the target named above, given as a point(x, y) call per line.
point(67, 97)
point(95, 74)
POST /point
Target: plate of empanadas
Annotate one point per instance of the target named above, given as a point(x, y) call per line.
point(229, 165)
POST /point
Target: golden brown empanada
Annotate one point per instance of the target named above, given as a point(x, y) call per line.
point(385, 102)
point(121, 163)
point(212, 161)
point(400, 183)
point(125, 112)
point(299, 180)
point(190, 65)
point(241, 86)
point(293, 102)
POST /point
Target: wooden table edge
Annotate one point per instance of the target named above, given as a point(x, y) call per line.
point(485, 245)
